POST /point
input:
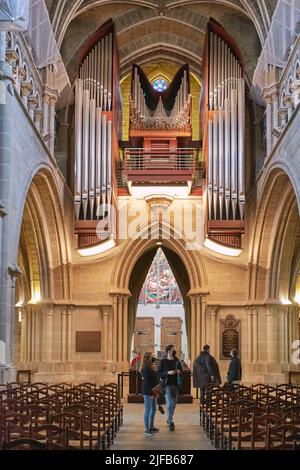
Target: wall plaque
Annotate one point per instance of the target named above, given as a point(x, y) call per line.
point(88, 341)
point(230, 336)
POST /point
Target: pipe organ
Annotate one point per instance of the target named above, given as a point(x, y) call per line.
point(95, 107)
point(223, 133)
point(169, 110)
point(96, 127)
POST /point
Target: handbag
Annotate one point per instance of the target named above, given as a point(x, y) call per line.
point(156, 391)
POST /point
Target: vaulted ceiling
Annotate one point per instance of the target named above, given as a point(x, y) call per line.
point(160, 29)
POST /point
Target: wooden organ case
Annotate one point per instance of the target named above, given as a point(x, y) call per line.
point(97, 123)
point(222, 123)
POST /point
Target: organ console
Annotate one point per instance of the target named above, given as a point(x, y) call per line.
point(97, 104)
point(223, 132)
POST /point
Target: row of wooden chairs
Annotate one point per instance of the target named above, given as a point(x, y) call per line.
point(60, 416)
point(256, 417)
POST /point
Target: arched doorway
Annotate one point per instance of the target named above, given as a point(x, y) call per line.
point(138, 277)
point(128, 277)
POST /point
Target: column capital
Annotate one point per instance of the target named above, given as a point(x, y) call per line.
point(11, 56)
point(32, 102)
point(38, 114)
point(267, 97)
point(50, 96)
point(296, 86)
point(288, 101)
point(26, 88)
point(213, 309)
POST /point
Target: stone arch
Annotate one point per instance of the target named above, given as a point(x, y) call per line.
point(41, 234)
point(274, 245)
point(133, 264)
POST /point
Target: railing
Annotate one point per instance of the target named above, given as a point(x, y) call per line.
point(160, 165)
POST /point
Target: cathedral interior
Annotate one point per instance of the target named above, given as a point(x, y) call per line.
point(136, 127)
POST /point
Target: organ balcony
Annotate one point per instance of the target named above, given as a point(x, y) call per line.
point(159, 165)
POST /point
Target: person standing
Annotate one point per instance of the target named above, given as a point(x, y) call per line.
point(149, 381)
point(205, 372)
point(234, 374)
point(169, 372)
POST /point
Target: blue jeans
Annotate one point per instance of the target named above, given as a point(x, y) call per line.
point(171, 400)
point(150, 410)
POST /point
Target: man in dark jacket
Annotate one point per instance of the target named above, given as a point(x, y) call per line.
point(234, 374)
point(169, 372)
point(205, 371)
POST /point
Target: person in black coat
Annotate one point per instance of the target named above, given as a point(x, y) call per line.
point(205, 371)
point(149, 381)
point(234, 374)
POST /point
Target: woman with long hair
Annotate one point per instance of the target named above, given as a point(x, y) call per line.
point(149, 381)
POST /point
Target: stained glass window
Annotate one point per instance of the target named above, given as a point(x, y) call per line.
point(160, 85)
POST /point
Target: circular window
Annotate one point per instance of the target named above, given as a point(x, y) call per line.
point(160, 85)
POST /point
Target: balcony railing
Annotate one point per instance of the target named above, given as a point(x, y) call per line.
point(160, 165)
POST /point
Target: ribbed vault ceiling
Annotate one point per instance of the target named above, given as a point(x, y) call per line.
point(160, 29)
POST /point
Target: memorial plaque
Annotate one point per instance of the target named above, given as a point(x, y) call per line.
point(230, 336)
point(88, 341)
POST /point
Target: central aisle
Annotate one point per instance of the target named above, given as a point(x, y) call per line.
point(188, 434)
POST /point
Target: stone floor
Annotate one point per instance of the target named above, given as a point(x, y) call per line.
point(188, 434)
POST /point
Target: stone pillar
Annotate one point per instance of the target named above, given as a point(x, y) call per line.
point(125, 329)
point(26, 88)
point(29, 334)
point(283, 115)
point(45, 114)
point(114, 327)
point(193, 328)
point(275, 99)
point(296, 92)
point(70, 312)
point(2, 46)
point(204, 334)
point(23, 348)
point(120, 327)
point(200, 326)
point(32, 104)
point(249, 334)
point(254, 312)
point(64, 334)
point(38, 114)
point(272, 334)
point(47, 334)
point(213, 328)
point(269, 126)
point(288, 102)
point(52, 102)
point(105, 331)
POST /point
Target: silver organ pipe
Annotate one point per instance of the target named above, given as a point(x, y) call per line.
point(226, 132)
point(93, 131)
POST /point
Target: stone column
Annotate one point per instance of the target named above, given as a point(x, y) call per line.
point(272, 334)
point(29, 333)
point(275, 99)
point(23, 348)
point(249, 334)
point(32, 104)
point(45, 114)
point(38, 114)
point(26, 88)
point(70, 311)
point(212, 310)
point(269, 127)
point(296, 92)
point(105, 331)
point(199, 325)
point(125, 328)
point(114, 327)
point(193, 328)
point(288, 102)
point(47, 334)
point(64, 333)
point(204, 333)
point(52, 102)
point(254, 312)
point(120, 327)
